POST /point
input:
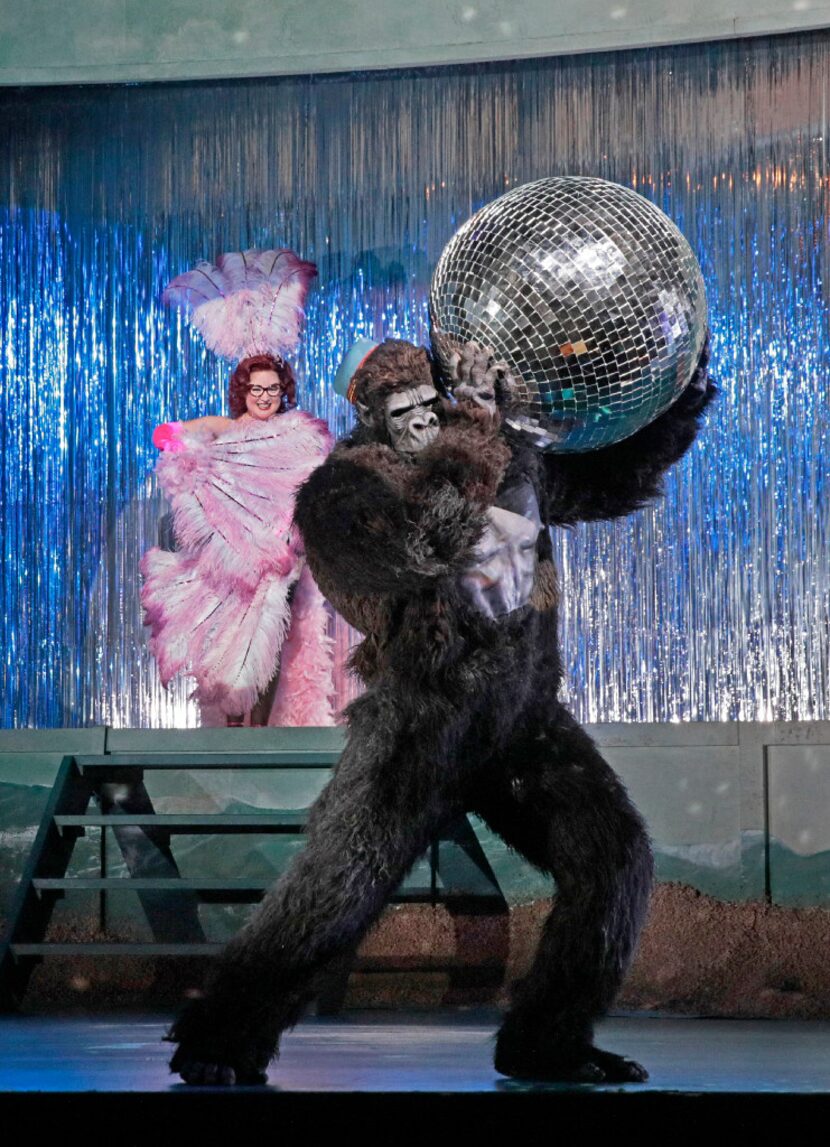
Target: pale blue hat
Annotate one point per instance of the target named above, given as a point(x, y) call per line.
point(353, 359)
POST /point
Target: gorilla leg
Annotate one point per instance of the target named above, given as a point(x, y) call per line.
point(555, 800)
point(377, 815)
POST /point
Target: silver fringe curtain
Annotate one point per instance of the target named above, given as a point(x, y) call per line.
point(712, 605)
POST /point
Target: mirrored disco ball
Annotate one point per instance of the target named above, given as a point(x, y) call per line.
point(589, 293)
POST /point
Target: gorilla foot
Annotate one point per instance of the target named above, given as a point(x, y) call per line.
point(199, 1073)
point(581, 1063)
point(618, 1068)
point(215, 1053)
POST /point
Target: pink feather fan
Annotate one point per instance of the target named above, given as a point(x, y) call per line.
point(251, 302)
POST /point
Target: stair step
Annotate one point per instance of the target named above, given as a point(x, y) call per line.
point(286, 821)
point(144, 884)
point(275, 759)
point(209, 890)
point(363, 964)
point(114, 949)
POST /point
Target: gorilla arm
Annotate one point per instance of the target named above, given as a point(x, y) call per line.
point(619, 479)
point(376, 522)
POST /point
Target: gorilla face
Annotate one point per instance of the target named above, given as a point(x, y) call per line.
point(500, 577)
point(411, 418)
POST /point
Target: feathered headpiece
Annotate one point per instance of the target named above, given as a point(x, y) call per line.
point(250, 303)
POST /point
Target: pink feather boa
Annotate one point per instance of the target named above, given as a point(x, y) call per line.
point(218, 608)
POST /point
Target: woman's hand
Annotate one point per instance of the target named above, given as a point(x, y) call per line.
point(167, 437)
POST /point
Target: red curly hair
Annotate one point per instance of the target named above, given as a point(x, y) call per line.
point(241, 382)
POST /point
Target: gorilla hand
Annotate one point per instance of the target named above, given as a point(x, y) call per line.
point(475, 377)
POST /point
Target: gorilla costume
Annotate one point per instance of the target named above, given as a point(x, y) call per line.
point(426, 528)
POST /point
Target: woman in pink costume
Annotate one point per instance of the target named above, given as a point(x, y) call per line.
point(234, 605)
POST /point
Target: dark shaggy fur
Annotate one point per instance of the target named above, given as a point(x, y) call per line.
point(461, 714)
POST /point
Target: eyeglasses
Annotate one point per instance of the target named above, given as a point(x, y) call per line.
point(271, 391)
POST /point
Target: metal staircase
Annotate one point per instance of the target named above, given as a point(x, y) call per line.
point(114, 785)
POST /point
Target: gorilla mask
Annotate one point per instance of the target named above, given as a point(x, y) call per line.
point(409, 416)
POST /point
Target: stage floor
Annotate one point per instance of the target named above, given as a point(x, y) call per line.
point(378, 1066)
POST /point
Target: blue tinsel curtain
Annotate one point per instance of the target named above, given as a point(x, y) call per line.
point(713, 605)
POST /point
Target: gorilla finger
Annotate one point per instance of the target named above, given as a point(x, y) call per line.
point(507, 381)
point(495, 373)
point(468, 358)
point(484, 358)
